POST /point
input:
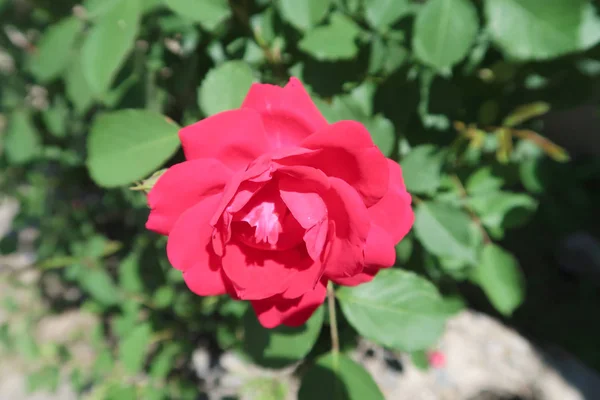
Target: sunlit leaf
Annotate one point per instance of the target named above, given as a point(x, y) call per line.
point(444, 32)
point(337, 377)
point(397, 309)
point(542, 29)
point(500, 277)
point(225, 87)
point(127, 145)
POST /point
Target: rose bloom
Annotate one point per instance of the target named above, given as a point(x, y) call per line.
point(273, 202)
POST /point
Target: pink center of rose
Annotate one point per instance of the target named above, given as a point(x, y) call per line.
point(265, 222)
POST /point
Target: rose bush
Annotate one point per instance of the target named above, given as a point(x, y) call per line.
point(273, 202)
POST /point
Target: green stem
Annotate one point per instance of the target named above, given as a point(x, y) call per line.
point(335, 340)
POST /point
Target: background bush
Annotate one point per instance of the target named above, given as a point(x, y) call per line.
point(462, 93)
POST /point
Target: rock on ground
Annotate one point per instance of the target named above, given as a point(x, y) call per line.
point(484, 359)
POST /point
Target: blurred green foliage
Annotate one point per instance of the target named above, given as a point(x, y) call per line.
point(91, 97)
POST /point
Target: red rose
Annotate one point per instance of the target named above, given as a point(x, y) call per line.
point(273, 202)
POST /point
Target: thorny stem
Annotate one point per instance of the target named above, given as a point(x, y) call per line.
point(333, 328)
point(474, 217)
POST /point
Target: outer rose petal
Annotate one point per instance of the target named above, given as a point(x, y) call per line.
point(347, 134)
point(182, 186)
point(393, 212)
point(257, 274)
point(235, 137)
point(380, 253)
point(350, 225)
point(380, 249)
point(275, 311)
point(345, 150)
point(205, 281)
point(288, 113)
point(365, 276)
point(189, 249)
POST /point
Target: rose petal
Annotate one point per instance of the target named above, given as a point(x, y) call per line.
point(348, 235)
point(315, 239)
point(288, 113)
point(235, 137)
point(380, 249)
point(189, 249)
point(345, 150)
point(240, 189)
point(349, 134)
point(300, 189)
point(182, 186)
point(380, 253)
point(205, 281)
point(275, 311)
point(257, 274)
point(303, 200)
point(365, 276)
point(393, 212)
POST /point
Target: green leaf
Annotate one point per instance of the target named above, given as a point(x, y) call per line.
point(24, 343)
point(134, 348)
point(525, 113)
point(500, 278)
point(103, 364)
point(97, 8)
point(358, 106)
point(108, 44)
point(542, 29)
point(397, 309)
point(162, 363)
point(304, 14)
point(123, 323)
point(130, 278)
point(98, 284)
point(77, 87)
point(233, 308)
point(282, 345)
point(421, 169)
point(128, 145)
point(445, 231)
point(263, 26)
point(225, 87)
point(534, 176)
point(163, 296)
point(383, 133)
point(46, 379)
point(444, 32)
point(149, 6)
point(22, 143)
point(210, 14)
point(495, 208)
point(483, 181)
point(395, 56)
point(380, 14)
point(147, 184)
point(265, 389)
point(153, 393)
point(55, 49)
point(335, 41)
point(56, 117)
point(420, 360)
point(121, 391)
point(337, 377)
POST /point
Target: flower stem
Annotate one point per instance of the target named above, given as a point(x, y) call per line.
point(335, 340)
